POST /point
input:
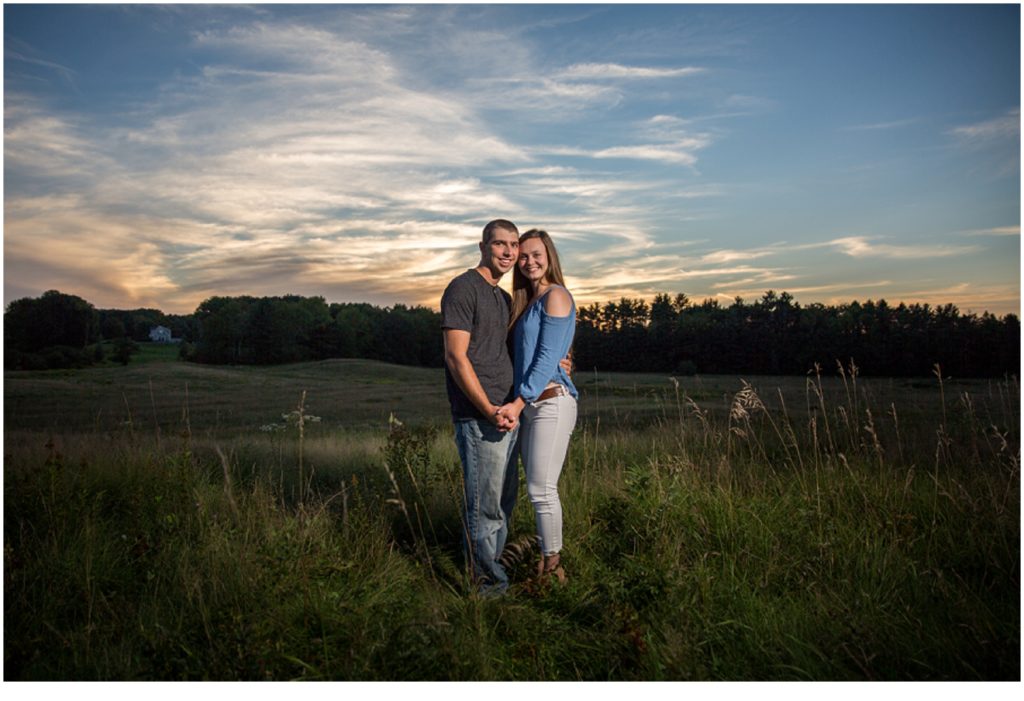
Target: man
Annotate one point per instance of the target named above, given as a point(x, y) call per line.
point(478, 377)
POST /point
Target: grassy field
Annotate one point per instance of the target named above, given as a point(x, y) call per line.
point(174, 521)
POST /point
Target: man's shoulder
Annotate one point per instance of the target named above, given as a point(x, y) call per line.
point(464, 280)
point(460, 301)
point(467, 284)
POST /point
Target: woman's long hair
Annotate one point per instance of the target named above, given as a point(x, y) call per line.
point(522, 290)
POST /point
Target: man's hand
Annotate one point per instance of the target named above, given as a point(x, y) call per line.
point(509, 414)
point(504, 422)
point(567, 363)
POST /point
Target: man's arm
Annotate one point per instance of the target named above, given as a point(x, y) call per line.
point(456, 357)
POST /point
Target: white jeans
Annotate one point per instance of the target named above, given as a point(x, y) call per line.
point(546, 428)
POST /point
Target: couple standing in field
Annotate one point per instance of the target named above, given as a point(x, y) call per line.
point(510, 396)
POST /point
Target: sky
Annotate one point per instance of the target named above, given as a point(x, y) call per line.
point(155, 156)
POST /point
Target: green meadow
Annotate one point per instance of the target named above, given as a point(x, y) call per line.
point(166, 520)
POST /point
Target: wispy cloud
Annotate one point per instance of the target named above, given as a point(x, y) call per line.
point(996, 231)
point(845, 287)
point(882, 126)
point(727, 256)
point(615, 71)
point(864, 247)
point(67, 74)
point(669, 153)
point(994, 145)
point(968, 297)
point(536, 94)
point(701, 191)
point(643, 277)
point(755, 285)
point(46, 144)
point(749, 104)
point(1003, 127)
point(581, 188)
point(682, 151)
point(853, 246)
point(751, 289)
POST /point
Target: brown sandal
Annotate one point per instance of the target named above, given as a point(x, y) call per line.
point(551, 565)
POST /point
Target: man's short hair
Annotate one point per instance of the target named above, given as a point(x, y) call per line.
point(498, 224)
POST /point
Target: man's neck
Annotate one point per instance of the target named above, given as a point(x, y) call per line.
point(489, 275)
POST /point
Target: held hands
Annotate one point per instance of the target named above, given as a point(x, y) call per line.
point(502, 421)
point(508, 415)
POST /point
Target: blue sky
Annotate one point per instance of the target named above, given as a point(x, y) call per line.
point(158, 155)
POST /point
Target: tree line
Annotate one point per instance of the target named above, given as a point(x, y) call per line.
point(775, 335)
point(772, 335)
point(58, 330)
point(289, 329)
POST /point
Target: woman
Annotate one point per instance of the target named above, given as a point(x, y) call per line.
point(543, 324)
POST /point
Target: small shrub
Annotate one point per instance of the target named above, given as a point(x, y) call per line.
point(124, 348)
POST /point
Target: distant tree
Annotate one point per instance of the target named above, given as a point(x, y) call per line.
point(680, 302)
point(181, 325)
point(124, 348)
point(351, 330)
point(55, 319)
point(409, 336)
point(111, 326)
point(220, 329)
point(280, 329)
point(37, 326)
point(662, 328)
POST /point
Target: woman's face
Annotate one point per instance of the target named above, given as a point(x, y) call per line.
point(533, 260)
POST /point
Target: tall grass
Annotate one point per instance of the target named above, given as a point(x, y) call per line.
point(764, 536)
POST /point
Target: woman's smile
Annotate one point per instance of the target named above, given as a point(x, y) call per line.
point(533, 261)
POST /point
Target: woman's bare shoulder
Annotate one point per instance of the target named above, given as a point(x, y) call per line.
point(558, 302)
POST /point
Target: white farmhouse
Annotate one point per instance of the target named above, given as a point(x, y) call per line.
point(160, 334)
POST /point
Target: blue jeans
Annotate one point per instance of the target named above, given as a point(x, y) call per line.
point(490, 482)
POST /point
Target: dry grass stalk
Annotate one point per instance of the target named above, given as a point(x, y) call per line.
point(229, 491)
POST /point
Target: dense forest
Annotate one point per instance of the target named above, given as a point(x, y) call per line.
point(773, 335)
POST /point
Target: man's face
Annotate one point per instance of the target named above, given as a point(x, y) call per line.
point(500, 254)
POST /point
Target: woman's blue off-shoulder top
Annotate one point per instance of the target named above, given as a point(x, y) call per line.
point(539, 341)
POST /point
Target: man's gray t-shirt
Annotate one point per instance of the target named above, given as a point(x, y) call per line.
point(472, 304)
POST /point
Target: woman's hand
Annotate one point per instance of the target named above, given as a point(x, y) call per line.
point(502, 422)
point(508, 415)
